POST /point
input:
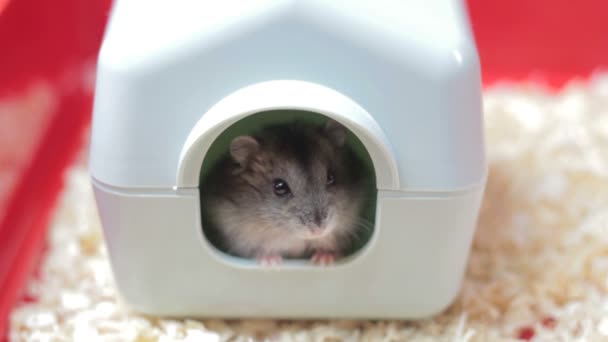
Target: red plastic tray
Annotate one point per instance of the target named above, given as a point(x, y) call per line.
point(548, 41)
point(51, 42)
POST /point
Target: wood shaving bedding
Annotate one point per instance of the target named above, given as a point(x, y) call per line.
point(538, 268)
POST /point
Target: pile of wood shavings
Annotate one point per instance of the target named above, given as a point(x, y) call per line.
point(538, 268)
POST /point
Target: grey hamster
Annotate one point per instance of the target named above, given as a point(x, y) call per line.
point(292, 190)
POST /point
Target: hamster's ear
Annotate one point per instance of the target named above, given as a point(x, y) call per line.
point(335, 132)
point(243, 148)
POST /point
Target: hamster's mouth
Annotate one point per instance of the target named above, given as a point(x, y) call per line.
point(315, 232)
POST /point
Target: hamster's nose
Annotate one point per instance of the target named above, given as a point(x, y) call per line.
point(316, 231)
point(319, 217)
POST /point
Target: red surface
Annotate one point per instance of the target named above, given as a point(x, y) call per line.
point(551, 41)
point(548, 41)
point(526, 333)
point(27, 218)
point(43, 40)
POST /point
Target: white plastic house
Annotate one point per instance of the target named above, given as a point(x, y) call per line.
point(402, 75)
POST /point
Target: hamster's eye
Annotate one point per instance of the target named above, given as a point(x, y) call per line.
point(330, 178)
point(280, 187)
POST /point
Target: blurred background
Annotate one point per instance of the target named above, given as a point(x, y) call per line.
point(47, 62)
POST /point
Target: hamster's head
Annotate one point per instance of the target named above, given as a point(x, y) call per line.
point(300, 179)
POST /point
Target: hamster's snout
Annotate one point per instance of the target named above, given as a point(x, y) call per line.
point(319, 217)
point(317, 229)
point(318, 226)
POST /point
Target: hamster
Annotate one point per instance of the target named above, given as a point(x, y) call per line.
point(293, 190)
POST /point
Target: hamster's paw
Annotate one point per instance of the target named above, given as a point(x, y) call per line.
point(323, 258)
point(270, 260)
